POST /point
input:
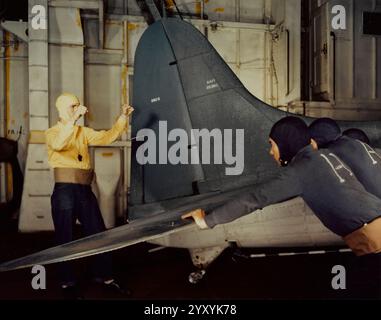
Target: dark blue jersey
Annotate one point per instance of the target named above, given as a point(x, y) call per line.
point(363, 160)
point(325, 183)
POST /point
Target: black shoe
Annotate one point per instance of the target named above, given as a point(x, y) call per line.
point(71, 292)
point(114, 287)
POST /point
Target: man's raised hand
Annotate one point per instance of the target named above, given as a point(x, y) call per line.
point(127, 110)
point(79, 112)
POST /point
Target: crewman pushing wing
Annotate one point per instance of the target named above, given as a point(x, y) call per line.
point(72, 197)
point(321, 178)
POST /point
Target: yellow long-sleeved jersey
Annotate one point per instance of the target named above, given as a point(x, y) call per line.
point(68, 144)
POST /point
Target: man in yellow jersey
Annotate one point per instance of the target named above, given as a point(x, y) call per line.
point(72, 196)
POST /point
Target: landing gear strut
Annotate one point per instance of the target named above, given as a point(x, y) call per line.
point(202, 258)
point(196, 276)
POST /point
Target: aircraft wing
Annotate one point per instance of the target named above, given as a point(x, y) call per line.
point(109, 240)
point(141, 230)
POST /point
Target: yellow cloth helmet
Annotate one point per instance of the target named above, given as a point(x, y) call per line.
point(64, 102)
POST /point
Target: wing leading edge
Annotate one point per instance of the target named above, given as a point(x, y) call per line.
point(146, 229)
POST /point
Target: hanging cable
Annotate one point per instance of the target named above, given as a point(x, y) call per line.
point(177, 9)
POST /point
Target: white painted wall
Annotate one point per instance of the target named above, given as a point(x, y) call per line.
point(286, 17)
point(358, 71)
point(245, 51)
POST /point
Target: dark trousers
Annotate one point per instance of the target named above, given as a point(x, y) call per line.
point(71, 202)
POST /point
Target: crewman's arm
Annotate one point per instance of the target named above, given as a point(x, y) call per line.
point(58, 140)
point(284, 187)
point(105, 137)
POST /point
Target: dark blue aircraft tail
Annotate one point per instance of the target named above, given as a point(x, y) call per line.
point(180, 78)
